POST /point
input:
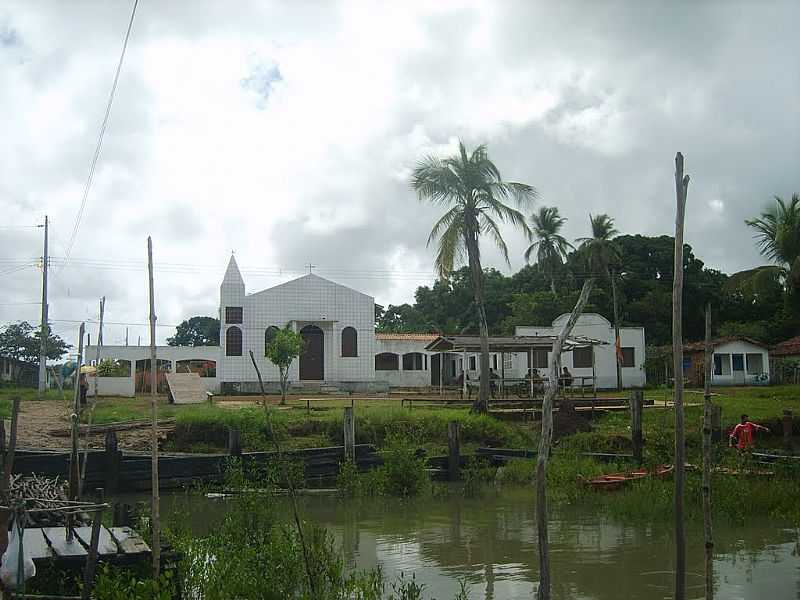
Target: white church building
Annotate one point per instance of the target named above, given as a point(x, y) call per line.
point(342, 350)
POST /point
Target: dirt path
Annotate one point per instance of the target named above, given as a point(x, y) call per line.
point(39, 419)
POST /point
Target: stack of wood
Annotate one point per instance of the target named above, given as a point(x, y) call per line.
point(43, 493)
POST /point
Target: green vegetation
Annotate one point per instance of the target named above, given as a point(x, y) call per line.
point(284, 346)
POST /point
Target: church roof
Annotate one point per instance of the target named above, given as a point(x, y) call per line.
point(311, 277)
point(232, 274)
point(414, 337)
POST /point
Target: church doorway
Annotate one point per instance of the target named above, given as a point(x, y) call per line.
point(312, 360)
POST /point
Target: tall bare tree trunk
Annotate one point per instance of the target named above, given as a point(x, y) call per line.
point(707, 460)
point(617, 341)
point(481, 404)
point(681, 187)
point(546, 439)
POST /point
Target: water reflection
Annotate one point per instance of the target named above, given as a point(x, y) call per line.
point(490, 542)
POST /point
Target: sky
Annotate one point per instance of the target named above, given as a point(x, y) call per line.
point(286, 132)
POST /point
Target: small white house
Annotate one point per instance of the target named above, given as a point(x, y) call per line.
point(740, 361)
point(579, 361)
point(402, 361)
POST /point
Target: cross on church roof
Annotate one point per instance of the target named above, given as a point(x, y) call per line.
point(309, 266)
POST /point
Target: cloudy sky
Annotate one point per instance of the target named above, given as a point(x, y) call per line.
point(286, 131)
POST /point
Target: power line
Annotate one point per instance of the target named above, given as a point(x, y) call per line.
point(99, 146)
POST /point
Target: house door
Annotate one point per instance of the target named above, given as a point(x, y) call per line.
point(312, 360)
point(737, 362)
point(435, 358)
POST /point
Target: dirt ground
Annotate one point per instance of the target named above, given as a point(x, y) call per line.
point(39, 421)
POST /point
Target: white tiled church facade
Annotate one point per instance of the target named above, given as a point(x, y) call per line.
point(307, 301)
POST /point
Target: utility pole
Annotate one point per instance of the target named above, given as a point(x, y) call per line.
point(126, 337)
point(45, 327)
point(99, 343)
point(617, 340)
point(156, 512)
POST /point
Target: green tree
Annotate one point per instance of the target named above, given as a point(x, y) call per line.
point(550, 246)
point(472, 189)
point(283, 348)
point(778, 236)
point(22, 341)
point(197, 331)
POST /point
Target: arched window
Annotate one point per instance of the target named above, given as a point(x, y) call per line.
point(233, 341)
point(387, 361)
point(413, 361)
point(268, 335)
point(349, 342)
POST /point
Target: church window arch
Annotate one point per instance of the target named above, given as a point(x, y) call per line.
point(349, 342)
point(233, 341)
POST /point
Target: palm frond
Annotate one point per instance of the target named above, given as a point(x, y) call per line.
point(489, 225)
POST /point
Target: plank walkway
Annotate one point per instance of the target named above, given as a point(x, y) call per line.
point(48, 543)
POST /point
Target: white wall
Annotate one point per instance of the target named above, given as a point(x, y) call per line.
point(112, 386)
point(401, 378)
point(745, 377)
point(596, 327)
point(309, 300)
point(173, 354)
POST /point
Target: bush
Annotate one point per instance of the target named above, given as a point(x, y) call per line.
point(209, 426)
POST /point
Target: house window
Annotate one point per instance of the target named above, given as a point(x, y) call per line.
point(738, 362)
point(722, 364)
point(628, 357)
point(582, 358)
point(472, 363)
point(455, 367)
point(387, 361)
point(203, 367)
point(233, 315)
point(233, 341)
point(269, 335)
point(755, 364)
point(349, 342)
point(494, 361)
point(412, 361)
point(539, 359)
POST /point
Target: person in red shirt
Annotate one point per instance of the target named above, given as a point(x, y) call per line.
point(743, 434)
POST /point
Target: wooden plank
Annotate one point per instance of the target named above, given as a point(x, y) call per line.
point(57, 537)
point(106, 546)
point(128, 541)
point(36, 546)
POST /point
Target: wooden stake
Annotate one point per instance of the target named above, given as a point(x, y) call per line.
point(681, 187)
point(349, 434)
point(546, 439)
point(707, 458)
point(156, 509)
point(636, 401)
point(74, 462)
point(454, 450)
point(8, 466)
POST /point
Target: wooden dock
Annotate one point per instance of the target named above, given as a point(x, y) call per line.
point(116, 544)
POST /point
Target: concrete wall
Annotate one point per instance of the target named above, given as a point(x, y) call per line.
point(749, 375)
point(401, 377)
point(172, 354)
point(596, 327)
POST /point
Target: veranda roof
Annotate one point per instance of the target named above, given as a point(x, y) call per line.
point(512, 343)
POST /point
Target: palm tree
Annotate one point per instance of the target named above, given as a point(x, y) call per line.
point(551, 247)
point(598, 251)
point(601, 252)
point(778, 235)
point(471, 188)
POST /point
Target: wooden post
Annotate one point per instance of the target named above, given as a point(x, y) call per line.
point(8, 466)
point(97, 347)
point(234, 441)
point(546, 439)
point(91, 558)
point(454, 451)
point(113, 462)
point(716, 423)
point(464, 394)
point(441, 356)
point(707, 458)
point(681, 187)
point(636, 402)
point(617, 342)
point(530, 372)
point(503, 375)
point(788, 423)
point(349, 435)
point(156, 500)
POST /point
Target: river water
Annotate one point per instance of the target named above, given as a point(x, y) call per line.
point(490, 542)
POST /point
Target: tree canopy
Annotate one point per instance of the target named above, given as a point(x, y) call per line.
point(197, 331)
